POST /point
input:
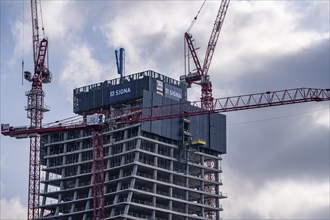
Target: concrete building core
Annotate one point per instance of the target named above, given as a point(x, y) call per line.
point(168, 169)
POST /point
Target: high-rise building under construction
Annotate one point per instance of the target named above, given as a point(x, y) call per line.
point(159, 169)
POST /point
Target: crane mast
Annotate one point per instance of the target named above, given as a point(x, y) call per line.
point(98, 173)
point(35, 109)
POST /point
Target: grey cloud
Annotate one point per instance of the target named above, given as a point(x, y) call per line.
point(308, 67)
point(313, 12)
point(288, 148)
point(279, 149)
point(319, 214)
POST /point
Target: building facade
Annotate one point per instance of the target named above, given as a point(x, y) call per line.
point(170, 169)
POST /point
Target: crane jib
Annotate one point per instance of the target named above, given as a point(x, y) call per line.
point(227, 104)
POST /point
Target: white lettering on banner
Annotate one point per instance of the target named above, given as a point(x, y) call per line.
point(120, 92)
point(173, 93)
point(159, 86)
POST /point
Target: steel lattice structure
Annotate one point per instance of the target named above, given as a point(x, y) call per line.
point(98, 173)
point(201, 76)
point(35, 109)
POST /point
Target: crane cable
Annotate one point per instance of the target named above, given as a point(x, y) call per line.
point(195, 18)
point(42, 21)
point(43, 31)
point(23, 42)
point(278, 117)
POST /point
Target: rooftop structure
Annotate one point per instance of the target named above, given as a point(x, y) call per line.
point(127, 90)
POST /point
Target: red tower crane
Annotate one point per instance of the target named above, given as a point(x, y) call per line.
point(35, 109)
point(200, 76)
point(138, 114)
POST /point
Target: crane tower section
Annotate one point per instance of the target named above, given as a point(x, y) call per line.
point(200, 75)
point(35, 109)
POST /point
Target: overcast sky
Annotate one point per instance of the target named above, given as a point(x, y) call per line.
point(277, 165)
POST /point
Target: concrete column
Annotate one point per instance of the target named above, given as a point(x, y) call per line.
point(138, 143)
point(63, 174)
point(46, 178)
point(75, 194)
point(154, 202)
point(187, 199)
point(134, 170)
point(84, 216)
point(90, 195)
point(129, 196)
point(170, 203)
point(138, 146)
